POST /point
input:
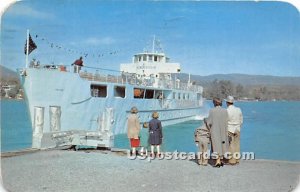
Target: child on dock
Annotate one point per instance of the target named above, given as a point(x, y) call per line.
point(202, 139)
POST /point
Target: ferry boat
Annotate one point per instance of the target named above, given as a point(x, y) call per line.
point(90, 106)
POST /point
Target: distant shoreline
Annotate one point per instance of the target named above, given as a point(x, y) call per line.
point(8, 99)
point(261, 100)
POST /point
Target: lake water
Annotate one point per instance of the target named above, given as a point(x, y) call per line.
point(271, 130)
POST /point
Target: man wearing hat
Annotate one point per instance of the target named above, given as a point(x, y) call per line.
point(235, 121)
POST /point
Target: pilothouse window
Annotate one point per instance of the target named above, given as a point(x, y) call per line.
point(149, 94)
point(99, 91)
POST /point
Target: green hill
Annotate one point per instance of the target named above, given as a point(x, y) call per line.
point(7, 74)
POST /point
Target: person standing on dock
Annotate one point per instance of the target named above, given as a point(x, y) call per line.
point(235, 121)
point(133, 130)
point(155, 134)
point(202, 140)
point(77, 65)
point(218, 123)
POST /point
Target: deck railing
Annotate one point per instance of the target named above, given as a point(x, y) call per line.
point(114, 76)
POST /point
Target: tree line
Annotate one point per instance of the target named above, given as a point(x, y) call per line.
point(223, 88)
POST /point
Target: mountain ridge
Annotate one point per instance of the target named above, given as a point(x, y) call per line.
point(7, 74)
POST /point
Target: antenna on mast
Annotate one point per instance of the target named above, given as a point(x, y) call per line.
point(153, 44)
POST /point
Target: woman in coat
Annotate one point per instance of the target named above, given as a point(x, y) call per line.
point(155, 134)
point(218, 123)
point(133, 129)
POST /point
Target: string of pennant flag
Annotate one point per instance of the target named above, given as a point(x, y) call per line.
point(32, 45)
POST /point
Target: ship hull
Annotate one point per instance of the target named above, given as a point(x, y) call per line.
point(79, 110)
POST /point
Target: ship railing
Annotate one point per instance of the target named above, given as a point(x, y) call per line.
point(173, 84)
point(115, 76)
point(99, 74)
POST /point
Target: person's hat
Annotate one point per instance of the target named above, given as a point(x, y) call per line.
point(155, 115)
point(134, 110)
point(145, 125)
point(217, 100)
point(230, 99)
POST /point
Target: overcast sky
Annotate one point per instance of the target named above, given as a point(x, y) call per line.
point(204, 37)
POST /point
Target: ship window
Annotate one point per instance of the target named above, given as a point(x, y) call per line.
point(155, 58)
point(179, 95)
point(149, 94)
point(98, 90)
point(119, 91)
point(144, 57)
point(159, 94)
point(183, 96)
point(150, 58)
point(187, 96)
point(138, 93)
point(174, 95)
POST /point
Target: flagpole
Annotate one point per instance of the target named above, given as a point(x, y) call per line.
point(27, 48)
